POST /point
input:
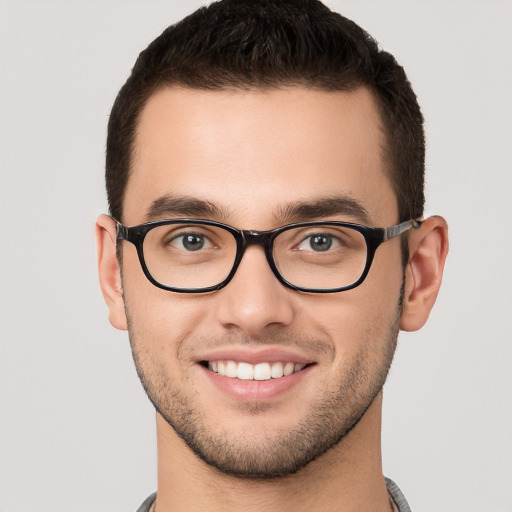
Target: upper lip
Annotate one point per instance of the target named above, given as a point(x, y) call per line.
point(255, 355)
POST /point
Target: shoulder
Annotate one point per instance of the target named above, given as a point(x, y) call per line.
point(397, 496)
point(146, 504)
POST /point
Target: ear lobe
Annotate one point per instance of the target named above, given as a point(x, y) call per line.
point(428, 248)
point(109, 271)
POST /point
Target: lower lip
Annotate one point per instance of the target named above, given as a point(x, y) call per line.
point(256, 390)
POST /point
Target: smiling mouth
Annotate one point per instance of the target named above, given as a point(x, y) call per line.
point(259, 371)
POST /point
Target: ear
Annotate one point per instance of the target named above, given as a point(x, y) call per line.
point(109, 271)
point(428, 248)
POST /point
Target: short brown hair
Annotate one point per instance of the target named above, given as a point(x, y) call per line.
point(246, 44)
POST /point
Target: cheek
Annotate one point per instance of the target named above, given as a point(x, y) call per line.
point(159, 318)
point(366, 314)
point(384, 281)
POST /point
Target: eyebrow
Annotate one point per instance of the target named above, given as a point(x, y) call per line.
point(168, 206)
point(171, 206)
point(345, 206)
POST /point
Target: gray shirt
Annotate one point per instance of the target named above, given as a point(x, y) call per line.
point(394, 493)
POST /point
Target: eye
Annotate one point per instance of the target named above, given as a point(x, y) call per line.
point(190, 242)
point(318, 242)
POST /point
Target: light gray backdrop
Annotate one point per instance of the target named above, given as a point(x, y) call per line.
point(77, 432)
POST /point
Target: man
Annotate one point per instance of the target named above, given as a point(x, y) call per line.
point(265, 245)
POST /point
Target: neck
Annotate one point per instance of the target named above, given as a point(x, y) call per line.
point(346, 478)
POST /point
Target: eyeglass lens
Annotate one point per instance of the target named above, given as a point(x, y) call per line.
point(199, 256)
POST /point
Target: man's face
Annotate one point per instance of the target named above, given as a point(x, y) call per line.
point(253, 158)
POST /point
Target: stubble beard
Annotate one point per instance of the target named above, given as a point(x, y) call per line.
point(330, 418)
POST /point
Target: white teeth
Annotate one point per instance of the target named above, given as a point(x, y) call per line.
point(260, 371)
point(231, 369)
point(277, 370)
point(245, 371)
point(289, 368)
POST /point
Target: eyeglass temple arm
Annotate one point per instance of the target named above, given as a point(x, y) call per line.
point(122, 231)
point(400, 228)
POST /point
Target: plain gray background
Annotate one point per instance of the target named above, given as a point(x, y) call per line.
point(77, 432)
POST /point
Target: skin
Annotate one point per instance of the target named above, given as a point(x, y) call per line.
point(252, 154)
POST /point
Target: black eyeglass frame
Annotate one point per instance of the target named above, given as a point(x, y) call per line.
point(373, 236)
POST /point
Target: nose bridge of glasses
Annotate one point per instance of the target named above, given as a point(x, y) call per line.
point(261, 238)
point(252, 237)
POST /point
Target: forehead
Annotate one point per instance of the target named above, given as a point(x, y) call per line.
point(253, 152)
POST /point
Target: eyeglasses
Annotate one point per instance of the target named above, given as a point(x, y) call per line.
point(199, 256)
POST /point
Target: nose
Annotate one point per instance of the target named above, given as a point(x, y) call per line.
point(254, 301)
